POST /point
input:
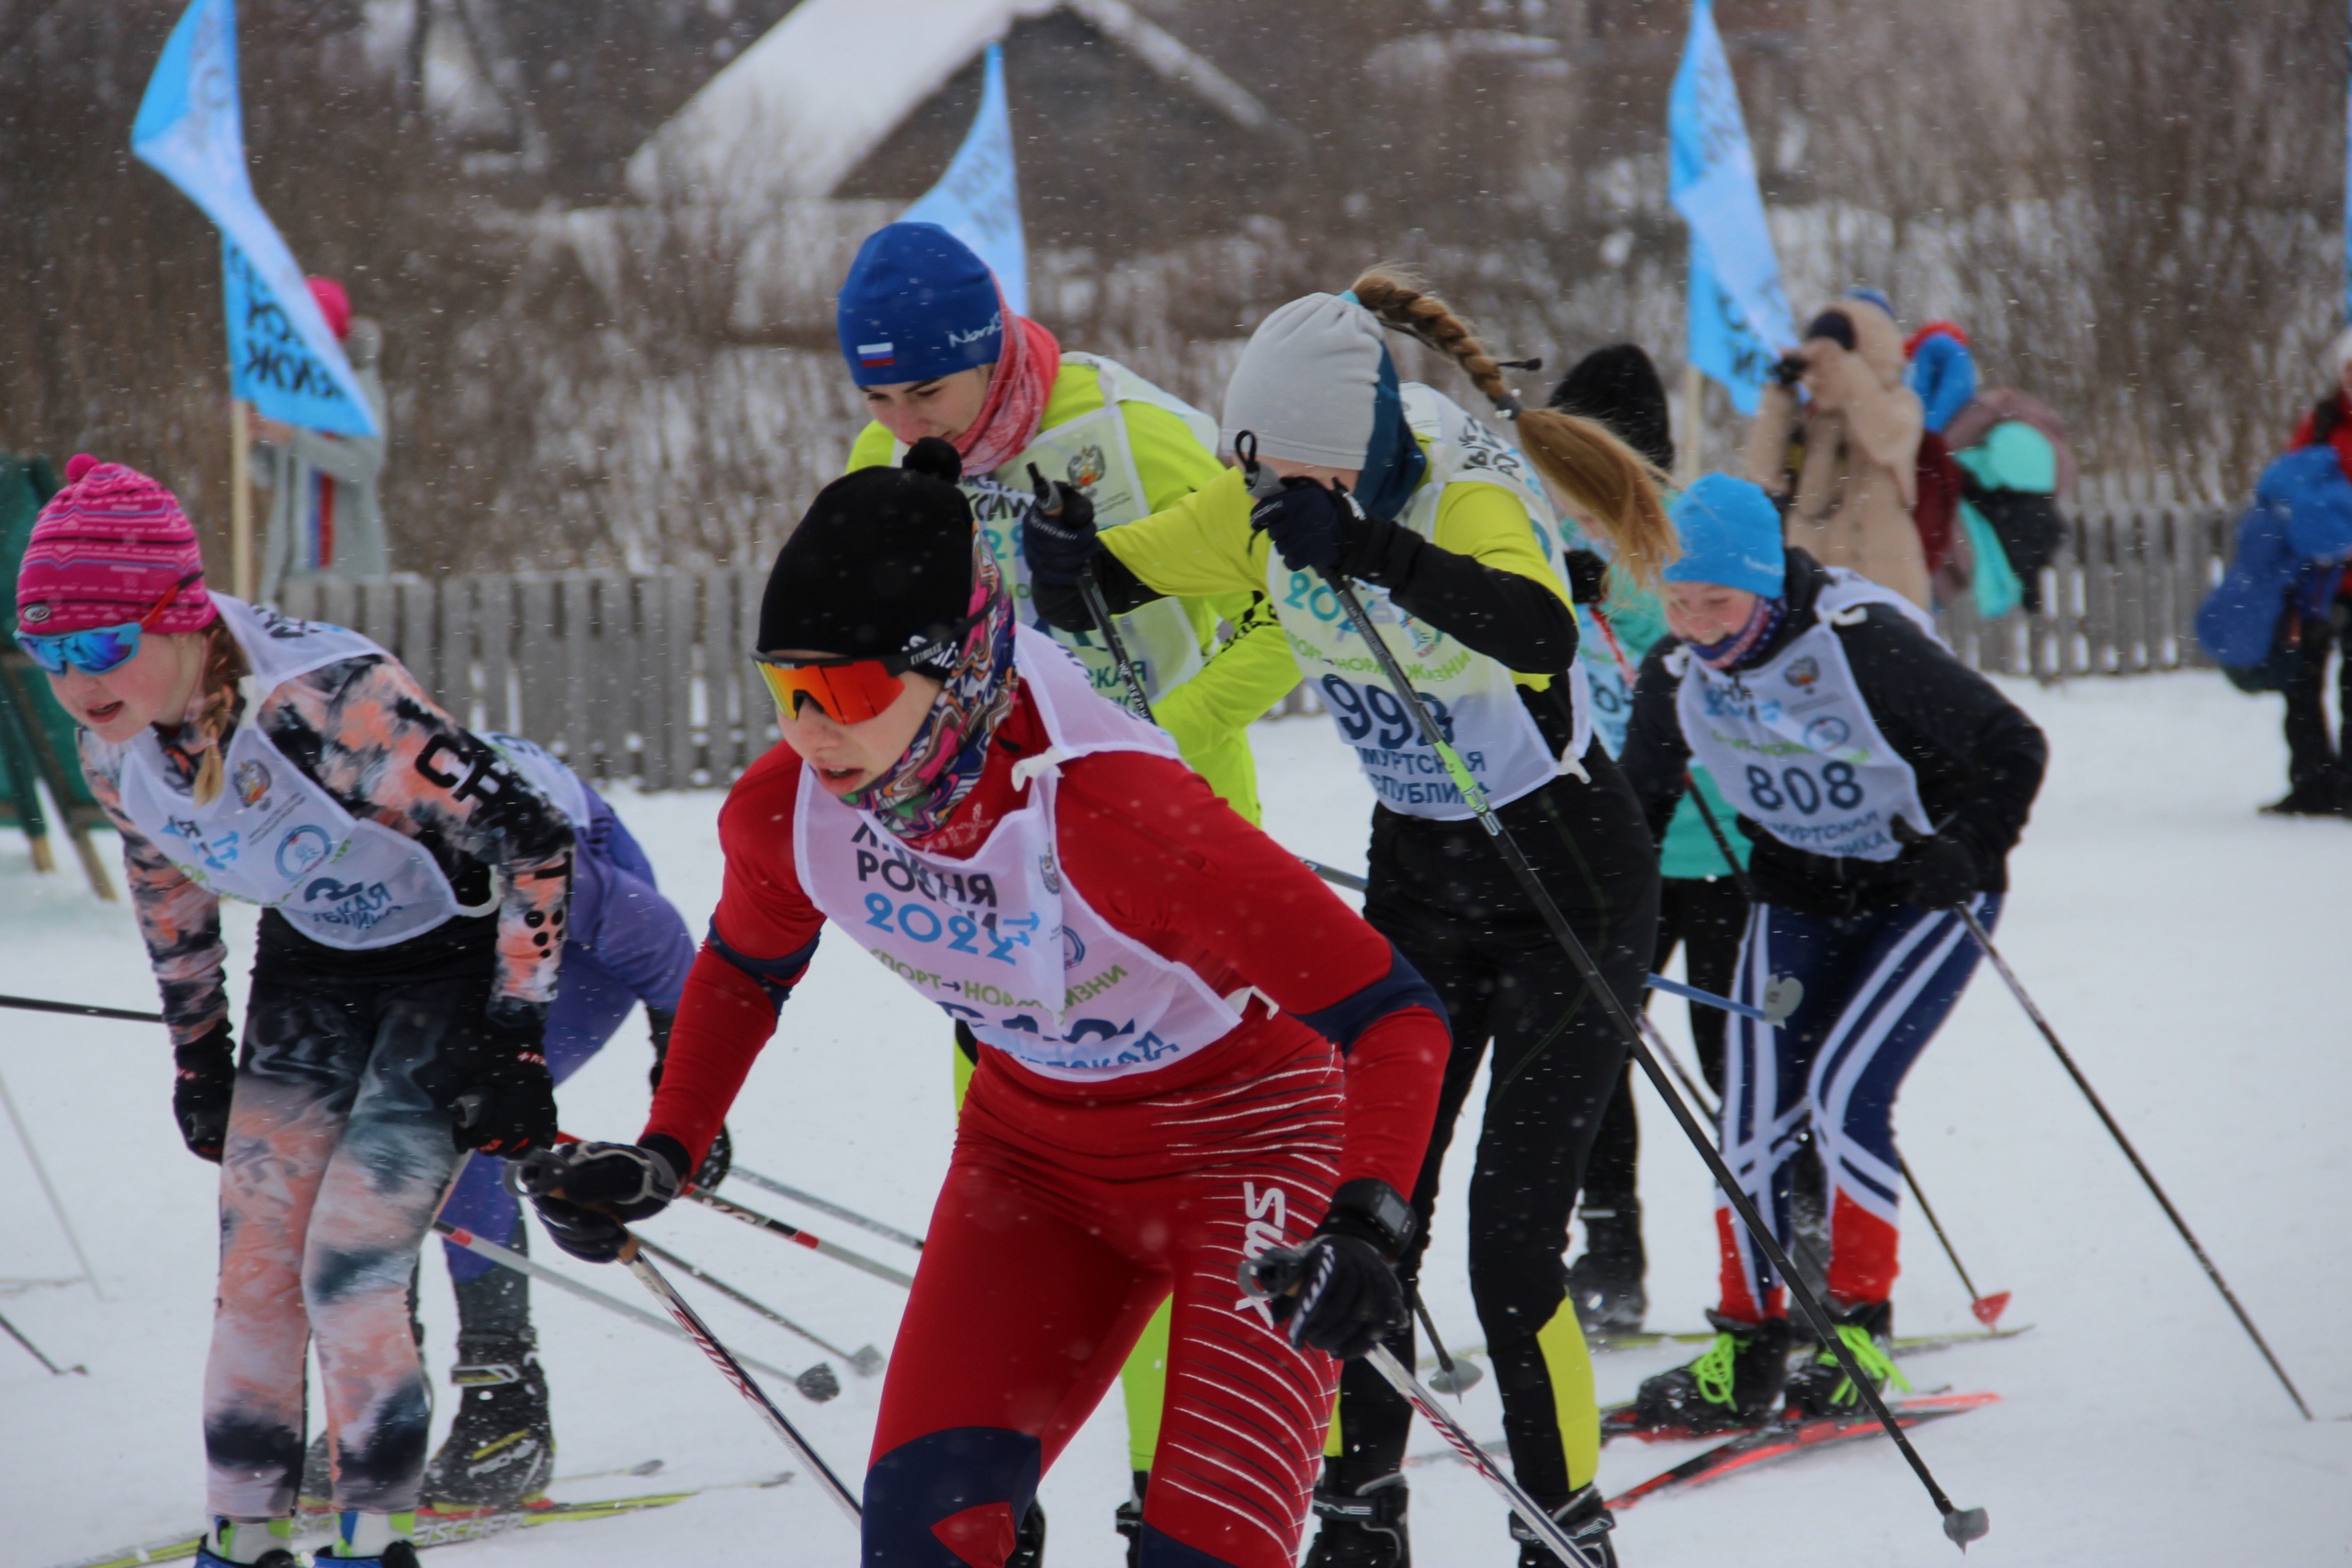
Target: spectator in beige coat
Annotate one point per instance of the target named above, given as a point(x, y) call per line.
point(1850, 450)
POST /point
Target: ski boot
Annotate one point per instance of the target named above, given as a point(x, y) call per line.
point(232, 1543)
point(2322, 794)
point(1362, 1527)
point(500, 1451)
point(1733, 1385)
point(1820, 1388)
point(1029, 1540)
point(1128, 1519)
point(1605, 1282)
point(1587, 1523)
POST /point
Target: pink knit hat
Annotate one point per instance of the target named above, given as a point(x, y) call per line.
point(107, 548)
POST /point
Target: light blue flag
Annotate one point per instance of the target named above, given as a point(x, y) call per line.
point(1739, 318)
point(978, 198)
point(282, 357)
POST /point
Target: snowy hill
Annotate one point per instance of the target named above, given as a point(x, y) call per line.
point(2190, 952)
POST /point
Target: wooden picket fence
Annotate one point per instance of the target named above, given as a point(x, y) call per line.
point(644, 676)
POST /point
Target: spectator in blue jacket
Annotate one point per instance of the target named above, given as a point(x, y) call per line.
point(2287, 600)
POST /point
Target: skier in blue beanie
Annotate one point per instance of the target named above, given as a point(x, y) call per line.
point(1883, 784)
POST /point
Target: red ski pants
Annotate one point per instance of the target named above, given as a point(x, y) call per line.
point(1061, 1229)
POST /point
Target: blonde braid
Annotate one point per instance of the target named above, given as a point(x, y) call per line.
point(224, 666)
point(1609, 481)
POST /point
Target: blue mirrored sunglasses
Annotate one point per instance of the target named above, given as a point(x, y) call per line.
point(96, 649)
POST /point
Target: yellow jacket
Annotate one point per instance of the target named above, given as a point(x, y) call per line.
point(1209, 714)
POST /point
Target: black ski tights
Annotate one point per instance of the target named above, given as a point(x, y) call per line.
point(1707, 916)
point(1441, 892)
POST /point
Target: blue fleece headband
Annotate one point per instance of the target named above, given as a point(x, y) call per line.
point(1731, 536)
point(917, 305)
point(1393, 461)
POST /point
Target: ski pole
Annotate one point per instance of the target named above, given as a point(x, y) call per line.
point(1451, 1376)
point(1355, 884)
point(2008, 978)
point(794, 1234)
point(79, 1010)
point(863, 1362)
point(55, 1369)
point(817, 1383)
point(1098, 610)
point(810, 1201)
point(1278, 1272)
point(1961, 1525)
point(634, 1259)
point(56, 1204)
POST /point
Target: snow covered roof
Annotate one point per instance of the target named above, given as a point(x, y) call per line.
point(792, 115)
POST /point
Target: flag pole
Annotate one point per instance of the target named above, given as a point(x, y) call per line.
point(1687, 462)
point(241, 499)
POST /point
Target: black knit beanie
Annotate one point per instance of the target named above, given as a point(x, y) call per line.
point(1619, 388)
point(881, 562)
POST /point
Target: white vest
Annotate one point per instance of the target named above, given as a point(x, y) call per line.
point(274, 836)
point(1090, 453)
point(997, 938)
point(1794, 746)
point(1472, 698)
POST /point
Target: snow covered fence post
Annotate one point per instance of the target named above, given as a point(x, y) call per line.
point(1962, 1525)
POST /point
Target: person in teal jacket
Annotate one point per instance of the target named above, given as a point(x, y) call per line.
point(1701, 906)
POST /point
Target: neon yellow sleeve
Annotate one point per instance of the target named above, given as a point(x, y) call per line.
point(1490, 525)
point(1209, 715)
point(872, 448)
point(1201, 544)
point(1169, 460)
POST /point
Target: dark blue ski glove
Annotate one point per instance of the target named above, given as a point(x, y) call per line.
point(1311, 525)
point(1058, 539)
point(509, 1104)
point(585, 1193)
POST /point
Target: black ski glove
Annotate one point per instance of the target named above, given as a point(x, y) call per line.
point(658, 1023)
point(1058, 547)
point(1315, 527)
point(1936, 873)
point(1587, 577)
point(208, 1074)
point(509, 1107)
point(1339, 1294)
point(1789, 369)
point(585, 1193)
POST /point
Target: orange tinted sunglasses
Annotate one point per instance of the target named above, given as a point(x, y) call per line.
point(846, 691)
point(849, 691)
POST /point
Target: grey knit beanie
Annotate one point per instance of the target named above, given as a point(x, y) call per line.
point(1308, 382)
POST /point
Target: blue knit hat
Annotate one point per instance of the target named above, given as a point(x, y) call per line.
point(917, 305)
point(1731, 536)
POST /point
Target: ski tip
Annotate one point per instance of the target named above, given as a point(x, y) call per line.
point(1965, 1525)
point(1988, 1309)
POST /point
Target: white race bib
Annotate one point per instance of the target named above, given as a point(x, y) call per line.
point(1472, 699)
point(1793, 747)
point(999, 938)
point(274, 836)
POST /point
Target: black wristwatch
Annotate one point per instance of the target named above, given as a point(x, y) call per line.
point(1371, 1209)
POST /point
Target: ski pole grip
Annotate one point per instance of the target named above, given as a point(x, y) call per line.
point(1279, 1271)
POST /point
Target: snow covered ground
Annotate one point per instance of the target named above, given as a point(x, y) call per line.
point(2190, 952)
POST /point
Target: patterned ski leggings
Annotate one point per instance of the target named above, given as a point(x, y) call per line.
point(1877, 987)
point(1061, 1229)
point(339, 1150)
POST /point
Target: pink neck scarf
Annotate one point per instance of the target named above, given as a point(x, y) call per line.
point(1018, 390)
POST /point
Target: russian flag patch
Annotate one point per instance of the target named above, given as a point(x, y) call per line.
point(877, 354)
